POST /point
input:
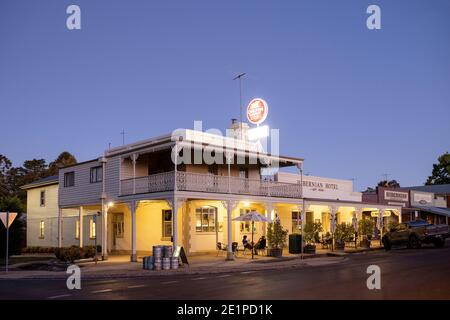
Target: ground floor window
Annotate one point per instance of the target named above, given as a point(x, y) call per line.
point(326, 218)
point(77, 229)
point(92, 229)
point(41, 229)
point(297, 219)
point(167, 224)
point(205, 219)
point(118, 225)
point(246, 227)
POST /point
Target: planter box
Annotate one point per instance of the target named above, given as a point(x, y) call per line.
point(340, 246)
point(275, 252)
point(365, 244)
point(309, 249)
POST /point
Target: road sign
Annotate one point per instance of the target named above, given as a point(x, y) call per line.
point(7, 219)
point(12, 216)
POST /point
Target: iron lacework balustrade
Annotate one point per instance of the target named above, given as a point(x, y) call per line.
point(198, 182)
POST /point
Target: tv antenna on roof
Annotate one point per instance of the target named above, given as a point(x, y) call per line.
point(240, 99)
point(386, 175)
point(123, 136)
point(354, 183)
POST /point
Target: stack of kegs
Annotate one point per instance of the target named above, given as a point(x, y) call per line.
point(162, 259)
point(174, 263)
point(168, 251)
point(148, 263)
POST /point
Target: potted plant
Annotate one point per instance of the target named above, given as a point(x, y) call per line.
point(276, 236)
point(365, 229)
point(311, 235)
point(344, 233)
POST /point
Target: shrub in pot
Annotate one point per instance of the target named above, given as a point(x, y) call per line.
point(311, 235)
point(276, 237)
point(344, 233)
point(365, 229)
point(88, 252)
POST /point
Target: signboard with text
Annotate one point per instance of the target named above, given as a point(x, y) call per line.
point(257, 111)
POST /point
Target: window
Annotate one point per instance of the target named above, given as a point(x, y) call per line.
point(41, 229)
point(118, 225)
point(205, 219)
point(69, 179)
point(42, 198)
point(167, 223)
point(96, 174)
point(92, 229)
point(246, 226)
point(243, 173)
point(296, 221)
point(77, 229)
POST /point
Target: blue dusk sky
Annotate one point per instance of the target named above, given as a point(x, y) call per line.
point(355, 103)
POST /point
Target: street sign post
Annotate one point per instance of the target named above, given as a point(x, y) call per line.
point(7, 219)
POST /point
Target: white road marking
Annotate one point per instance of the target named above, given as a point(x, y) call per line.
point(224, 275)
point(198, 279)
point(101, 291)
point(246, 272)
point(59, 296)
point(168, 282)
point(137, 286)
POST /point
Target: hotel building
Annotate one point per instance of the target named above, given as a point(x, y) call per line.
point(141, 194)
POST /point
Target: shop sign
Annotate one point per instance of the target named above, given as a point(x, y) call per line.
point(257, 111)
point(423, 198)
point(395, 195)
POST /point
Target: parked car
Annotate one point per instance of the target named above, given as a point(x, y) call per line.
point(414, 233)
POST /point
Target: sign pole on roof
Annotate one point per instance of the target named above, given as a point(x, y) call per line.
point(7, 219)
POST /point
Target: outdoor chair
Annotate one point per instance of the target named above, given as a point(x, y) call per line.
point(326, 242)
point(262, 250)
point(234, 248)
point(220, 248)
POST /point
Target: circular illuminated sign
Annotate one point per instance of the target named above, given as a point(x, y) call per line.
point(257, 111)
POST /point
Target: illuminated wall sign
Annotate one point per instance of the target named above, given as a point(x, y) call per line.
point(395, 195)
point(257, 111)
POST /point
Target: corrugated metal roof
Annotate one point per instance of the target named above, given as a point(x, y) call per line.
point(43, 181)
point(435, 210)
point(436, 188)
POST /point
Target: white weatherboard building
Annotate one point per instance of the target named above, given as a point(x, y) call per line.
point(134, 197)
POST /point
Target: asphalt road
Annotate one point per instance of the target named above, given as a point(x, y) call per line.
point(405, 274)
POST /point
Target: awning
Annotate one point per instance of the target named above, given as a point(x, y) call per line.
point(440, 211)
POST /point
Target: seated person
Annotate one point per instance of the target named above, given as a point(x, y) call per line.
point(246, 244)
point(261, 244)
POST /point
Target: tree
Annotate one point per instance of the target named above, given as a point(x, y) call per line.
point(5, 165)
point(389, 184)
point(65, 158)
point(441, 171)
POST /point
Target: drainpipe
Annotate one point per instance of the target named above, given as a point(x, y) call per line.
point(176, 167)
point(104, 211)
